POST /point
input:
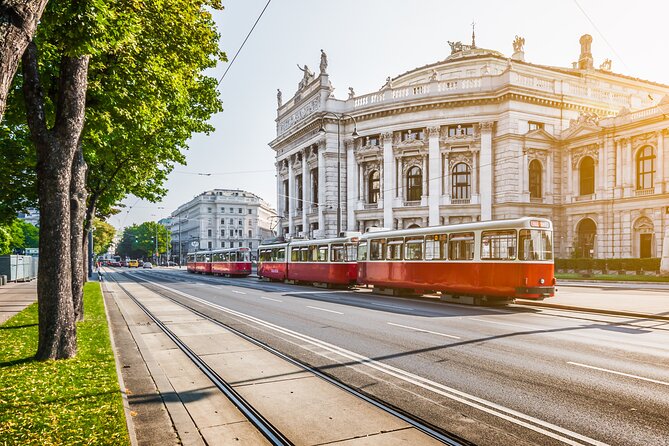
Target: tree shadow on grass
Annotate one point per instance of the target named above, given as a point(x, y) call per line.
point(11, 327)
point(17, 362)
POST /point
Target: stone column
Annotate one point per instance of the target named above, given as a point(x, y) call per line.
point(618, 145)
point(291, 197)
point(628, 167)
point(664, 262)
point(475, 176)
point(665, 156)
point(524, 177)
point(486, 170)
point(548, 185)
point(601, 172)
point(321, 188)
point(659, 170)
point(388, 179)
point(279, 192)
point(360, 190)
point(306, 194)
point(570, 178)
point(434, 175)
point(351, 185)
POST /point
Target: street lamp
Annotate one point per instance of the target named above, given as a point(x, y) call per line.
point(339, 117)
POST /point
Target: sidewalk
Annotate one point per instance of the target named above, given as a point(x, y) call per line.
point(15, 296)
point(609, 298)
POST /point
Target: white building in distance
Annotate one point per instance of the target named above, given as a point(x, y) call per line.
point(482, 136)
point(221, 218)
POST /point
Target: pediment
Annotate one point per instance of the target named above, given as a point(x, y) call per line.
point(581, 130)
point(539, 135)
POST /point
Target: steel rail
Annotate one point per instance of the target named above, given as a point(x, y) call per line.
point(270, 432)
point(426, 428)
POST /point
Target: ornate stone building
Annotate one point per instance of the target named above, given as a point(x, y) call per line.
point(481, 136)
point(220, 218)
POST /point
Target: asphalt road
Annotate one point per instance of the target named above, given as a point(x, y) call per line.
point(494, 376)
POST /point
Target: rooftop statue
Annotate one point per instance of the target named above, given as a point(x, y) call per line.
point(518, 44)
point(324, 62)
point(308, 76)
point(278, 97)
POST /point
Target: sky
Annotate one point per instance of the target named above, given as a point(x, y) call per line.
point(367, 41)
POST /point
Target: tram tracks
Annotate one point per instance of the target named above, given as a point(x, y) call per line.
point(264, 425)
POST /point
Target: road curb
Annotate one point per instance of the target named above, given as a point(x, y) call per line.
point(594, 310)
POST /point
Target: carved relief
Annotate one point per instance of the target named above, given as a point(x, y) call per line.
point(387, 137)
point(487, 126)
point(310, 108)
point(459, 157)
point(577, 154)
point(539, 154)
point(433, 131)
point(412, 161)
point(643, 140)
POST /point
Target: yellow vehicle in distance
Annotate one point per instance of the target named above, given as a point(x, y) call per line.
point(133, 264)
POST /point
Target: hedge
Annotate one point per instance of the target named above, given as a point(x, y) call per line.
point(646, 264)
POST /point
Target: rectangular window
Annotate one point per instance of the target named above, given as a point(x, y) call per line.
point(498, 245)
point(435, 247)
point(304, 254)
point(209, 245)
point(460, 130)
point(376, 249)
point(240, 210)
point(322, 254)
point(414, 248)
point(461, 246)
point(222, 232)
point(241, 222)
point(533, 125)
point(222, 244)
point(209, 210)
point(250, 211)
point(240, 244)
point(231, 221)
point(394, 249)
point(222, 210)
point(232, 210)
point(337, 253)
point(535, 244)
point(208, 232)
point(362, 251)
point(294, 255)
point(279, 254)
point(351, 252)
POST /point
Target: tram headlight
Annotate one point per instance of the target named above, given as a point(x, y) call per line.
point(541, 281)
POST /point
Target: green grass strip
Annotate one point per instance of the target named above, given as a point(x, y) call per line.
point(67, 402)
point(611, 277)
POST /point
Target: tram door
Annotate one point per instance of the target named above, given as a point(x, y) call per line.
point(645, 245)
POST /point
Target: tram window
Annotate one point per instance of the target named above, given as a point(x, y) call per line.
point(279, 254)
point(304, 254)
point(414, 248)
point(294, 255)
point(535, 245)
point(376, 249)
point(498, 245)
point(394, 249)
point(322, 254)
point(435, 247)
point(233, 257)
point(351, 252)
point(312, 255)
point(265, 255)
point(337, 253)
point(362, 251)
point(461, 246)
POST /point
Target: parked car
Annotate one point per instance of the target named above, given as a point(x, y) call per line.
point(147, 265)
point(133, 264)
point(171, 264)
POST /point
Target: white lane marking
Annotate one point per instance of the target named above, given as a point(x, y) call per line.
point(237, 292)
point(389, 306)
point(325, 309)
point(618, 373)
point(424, 331)
point(521, 419)
point(270, 298)
point(500, 323)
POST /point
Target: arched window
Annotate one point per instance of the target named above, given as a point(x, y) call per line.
point(373, 187)
point(587, 176)
point(461, 182)
point(414, 184)
point(535, 179)
point(645, 168)
point(585, 242)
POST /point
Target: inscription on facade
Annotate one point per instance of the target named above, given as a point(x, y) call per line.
point(306, 110)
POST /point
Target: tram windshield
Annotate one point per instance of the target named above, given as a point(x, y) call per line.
point(535, 245)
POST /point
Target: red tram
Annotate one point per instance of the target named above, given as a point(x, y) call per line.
point(231, 262)
point(483, 261)
point(323, 262)
point(492, 260)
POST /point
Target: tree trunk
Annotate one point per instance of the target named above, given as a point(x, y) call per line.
point(56, 149)
point(18, 21)
point(77, 235)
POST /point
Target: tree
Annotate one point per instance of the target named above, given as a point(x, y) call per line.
point(144, 98)
point(103, 236)
point(18, 20)
point(5, 241)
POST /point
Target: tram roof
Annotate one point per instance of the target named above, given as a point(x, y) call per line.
point(523, 222)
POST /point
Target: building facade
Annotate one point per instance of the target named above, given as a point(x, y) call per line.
point(481, 136)
point(220, 218)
